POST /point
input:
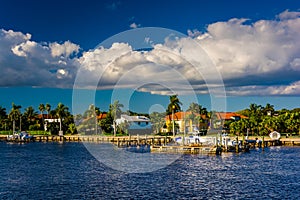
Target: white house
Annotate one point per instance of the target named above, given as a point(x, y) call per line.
point(137, 124)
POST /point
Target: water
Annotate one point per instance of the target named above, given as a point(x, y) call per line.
point(68, 171)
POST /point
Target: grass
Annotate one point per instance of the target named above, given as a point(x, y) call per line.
point(30, 132)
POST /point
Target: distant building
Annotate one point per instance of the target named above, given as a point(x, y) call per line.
point(228, 116)
point(136, 124)
point(221, 117)
point(48, 119)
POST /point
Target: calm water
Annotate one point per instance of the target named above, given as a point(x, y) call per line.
point(56, 171)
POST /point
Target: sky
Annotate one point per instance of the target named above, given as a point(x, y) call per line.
point(223, 55)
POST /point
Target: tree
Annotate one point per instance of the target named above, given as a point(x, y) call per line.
point(268, 109)
point(173, 107)
point(157, 120)
point(48, 109)
point(61, 112)
point(196, 114)
point(72, 128)
point(15, 114)
point(29, 115)
point(42, 109)
point(3, 118)
point(115, 111)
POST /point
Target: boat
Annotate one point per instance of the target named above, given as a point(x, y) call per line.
point(195, 138)
point(19, 137)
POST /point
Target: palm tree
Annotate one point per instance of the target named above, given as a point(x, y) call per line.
point(30, 115)
point(42, 109)
point(157, 120)
point(194, 108)
point(91, 117)
point(268, 110)
point(61, 112)
point(173, 107)
point(115, 110)
point(3, 117)
point(48, 109)
point(14, 114)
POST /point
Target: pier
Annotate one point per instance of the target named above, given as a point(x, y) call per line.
point(121, 141)
point(163, 144)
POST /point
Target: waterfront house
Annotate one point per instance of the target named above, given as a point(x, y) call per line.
point(187, 121)
point(135, 124)
point(220, 118)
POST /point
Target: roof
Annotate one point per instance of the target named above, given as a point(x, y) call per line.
point(229, 115)
point(101, 116)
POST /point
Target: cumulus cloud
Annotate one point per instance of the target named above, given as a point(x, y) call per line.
point(65, 49)
point(24, 62)
point(249, 58)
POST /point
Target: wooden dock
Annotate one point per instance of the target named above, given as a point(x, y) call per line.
point(162, 144)
point(187, 149)
point(122, 141)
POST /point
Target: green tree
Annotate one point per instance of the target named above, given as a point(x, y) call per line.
point(15, 114)
point(48, 109)
point(61, 112)
point(268, 109)
point(30, 116)
point(42, 109)
point(3, 117)
point(158, 120)
point(173, 107)
point(115, 111)
point(72, 128)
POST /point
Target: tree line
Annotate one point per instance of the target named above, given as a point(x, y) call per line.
point(262, 120)
point(259, 120)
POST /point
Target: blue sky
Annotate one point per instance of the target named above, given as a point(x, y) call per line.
point(252, 50)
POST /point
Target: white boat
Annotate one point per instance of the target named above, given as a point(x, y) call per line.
point(195, 138)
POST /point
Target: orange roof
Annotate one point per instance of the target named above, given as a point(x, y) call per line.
point(101, 116)
point(228, 115)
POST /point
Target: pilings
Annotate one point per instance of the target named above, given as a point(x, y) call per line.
point(123, 141)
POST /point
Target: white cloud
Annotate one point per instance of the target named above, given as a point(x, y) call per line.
point(134, 25)
point(24, 62)
point(288, 15)
point(65, 49)
point(252, 58)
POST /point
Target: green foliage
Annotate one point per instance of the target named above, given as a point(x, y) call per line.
point(262, 120)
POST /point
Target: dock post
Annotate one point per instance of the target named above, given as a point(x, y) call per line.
point(237, 144)
point(263, 143)
point(118, 143)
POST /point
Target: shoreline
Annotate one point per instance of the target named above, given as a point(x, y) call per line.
point(136, 139)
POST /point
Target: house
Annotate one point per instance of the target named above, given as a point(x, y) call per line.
point(221, 117)
point(136, 124)
point(48, 119)
point(187, 121)
point(228, 116)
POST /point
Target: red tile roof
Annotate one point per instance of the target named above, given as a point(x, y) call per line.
point(229, 115)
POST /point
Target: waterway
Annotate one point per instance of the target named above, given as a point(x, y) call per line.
point(68, 171)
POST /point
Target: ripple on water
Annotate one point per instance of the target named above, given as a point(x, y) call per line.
point(52, 170)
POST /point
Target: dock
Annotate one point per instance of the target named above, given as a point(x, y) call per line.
point(161, 144)
point(187, 149)
point(121, 141)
